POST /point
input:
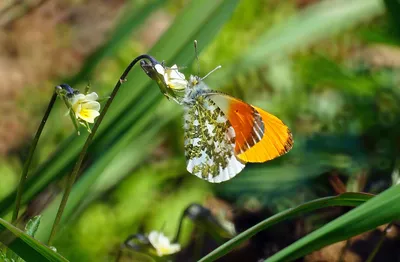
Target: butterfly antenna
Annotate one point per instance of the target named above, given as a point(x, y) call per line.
point(197, 56)
point(212, 71)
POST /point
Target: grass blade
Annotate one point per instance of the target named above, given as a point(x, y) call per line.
point(347, 199)
point(382, 209)
point(25, 246)
point(122, 32)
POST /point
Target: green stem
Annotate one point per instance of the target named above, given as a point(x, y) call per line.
point(178, 233)
point(378, 246)
point(25, 169)
point(89, 139)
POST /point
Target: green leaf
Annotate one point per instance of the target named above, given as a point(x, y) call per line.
point(26, 246)
point(317, 71)
point(130, 255)
point(319, 21)
point(134, 18)
point(393, 7)
point(33, 225)
point(347, 199)
point(3, 257)
point(382, 209)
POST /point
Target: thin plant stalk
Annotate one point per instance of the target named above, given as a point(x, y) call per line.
point(378, 246)
point(25, 169)
point(344, 250)
point(178, 233)
point(85, 148)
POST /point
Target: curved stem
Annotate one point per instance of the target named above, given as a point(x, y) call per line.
point(25, 169)
point(89, 139)
point(178, 233)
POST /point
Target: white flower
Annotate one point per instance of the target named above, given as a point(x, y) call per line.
point(172, 77)
point(85, 107)
point(162, 244)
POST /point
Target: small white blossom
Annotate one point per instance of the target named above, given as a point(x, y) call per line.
point(172, 77)
point(85, 107)
point(162, 244)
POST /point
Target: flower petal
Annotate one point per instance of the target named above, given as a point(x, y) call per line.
point(92, 97)
point(77, 107)
point(94, 105)
point(162, 244)
point(88, 115)
point(160, 69)
point(174, 248)
point(177, 84)
point(77, 99)
point(153, 236)
point(173, 73)
point(163, 240)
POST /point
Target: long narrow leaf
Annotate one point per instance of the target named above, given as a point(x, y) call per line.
point(347, 199)
point(382, 209)
point(122, 32)
point(25, 246)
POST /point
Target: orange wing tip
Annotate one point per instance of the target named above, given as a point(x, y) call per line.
point(288, 144)
point(261, 152)
point(276, 141)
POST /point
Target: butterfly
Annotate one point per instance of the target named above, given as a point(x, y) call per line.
point(221, 133)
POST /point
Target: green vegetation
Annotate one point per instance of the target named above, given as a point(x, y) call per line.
point(329, 70)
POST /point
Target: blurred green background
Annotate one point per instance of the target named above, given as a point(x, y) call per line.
point(328, 68)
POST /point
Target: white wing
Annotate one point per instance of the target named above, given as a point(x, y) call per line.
point(209, 142)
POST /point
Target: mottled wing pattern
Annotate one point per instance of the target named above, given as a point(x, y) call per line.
point(209, 142)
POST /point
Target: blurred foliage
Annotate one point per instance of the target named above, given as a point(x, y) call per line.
point(330, 70)
point(24, 245)
point(10, 169)
point(114, 218)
